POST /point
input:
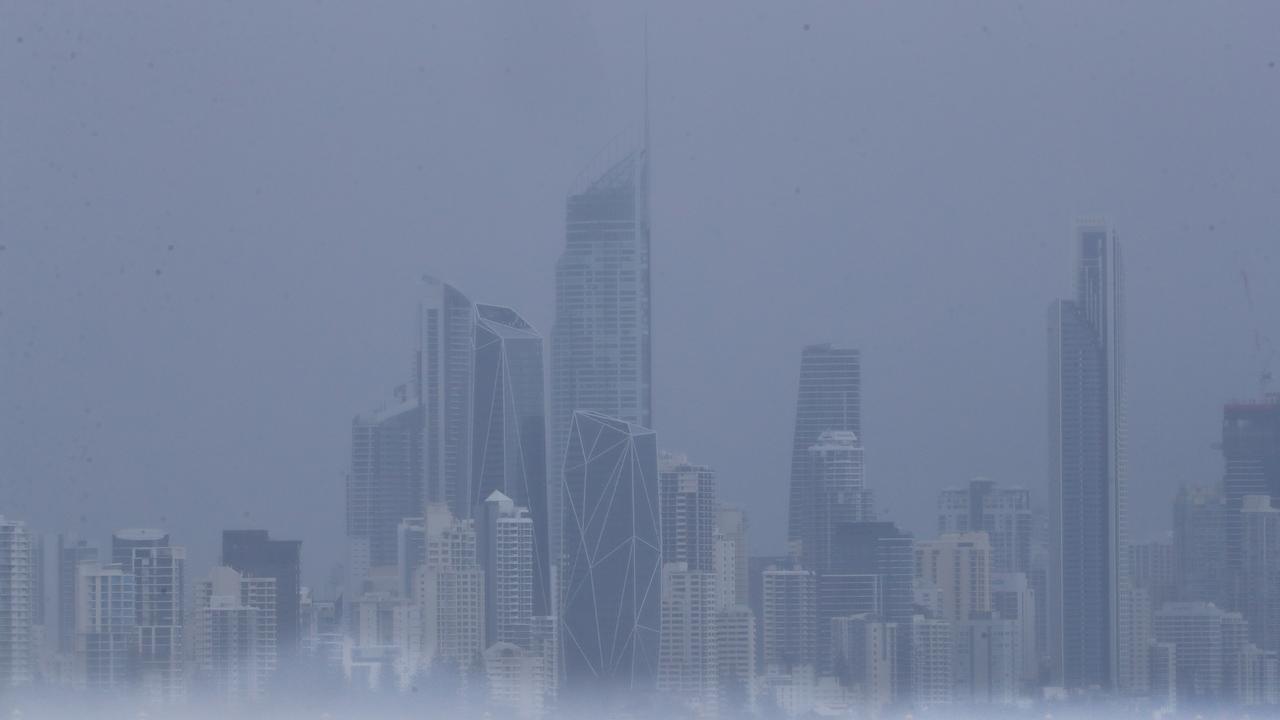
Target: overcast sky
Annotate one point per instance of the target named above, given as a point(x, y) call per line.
point(213, 215)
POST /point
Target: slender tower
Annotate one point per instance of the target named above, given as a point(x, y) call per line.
point(1087, 468)
point(601, 339)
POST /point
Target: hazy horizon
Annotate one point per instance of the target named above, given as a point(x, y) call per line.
point(213, 220)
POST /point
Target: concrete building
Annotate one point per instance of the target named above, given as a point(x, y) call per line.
point(17, 645)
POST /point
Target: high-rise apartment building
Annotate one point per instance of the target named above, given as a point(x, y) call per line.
point(1003, 513)
point(833, 492)
point(829, 400)
point(688, 504)
point(932, 644)
point(735, 630)
point(865, 658)
point(601, 339)
point(233, 636)
point(505, 548)
point(612, 555)
point(1260, 570)
point(443, 385)
point(106, 628)
point(160, 592)
point(72, 552)
point(731, 525)
point(253, 554)
point(451, 590)
point(1087, 467)
point(959, 566)
point(687, 658)
point(17, 646)
point(1201, 570)
point(385, 482)
point(790, 620)
point(1251, 452)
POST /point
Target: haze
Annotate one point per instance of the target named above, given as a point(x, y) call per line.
point(213, 219)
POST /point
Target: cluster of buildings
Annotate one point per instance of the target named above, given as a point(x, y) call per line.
point(125, 621)
point(530, 546)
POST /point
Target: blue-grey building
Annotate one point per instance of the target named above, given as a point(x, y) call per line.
point(612, 555)
point(1086, 467)
point(508, 439)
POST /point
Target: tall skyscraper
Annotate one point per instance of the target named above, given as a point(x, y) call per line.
point(688, 503)
point(442, 385)
point(1087, 467)
point(1251, 451)
point(601, 340)
point(829, 399)
point(253, 554)
point(17, 648)
point(385, 482)
point(612, 555)
point(834, 492)
point(1004, 514)
point(509, 441)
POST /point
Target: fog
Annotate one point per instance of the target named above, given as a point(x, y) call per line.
point(213, 218)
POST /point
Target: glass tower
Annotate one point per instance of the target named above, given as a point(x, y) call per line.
point(1086, 467)
point(829, 399)
point(601, 347)
point(508, 439)
point(613, 555)
point(442, 387)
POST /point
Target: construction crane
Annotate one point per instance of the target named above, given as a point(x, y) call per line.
point(1263, 350)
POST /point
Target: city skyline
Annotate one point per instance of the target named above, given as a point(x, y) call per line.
point(867, 488)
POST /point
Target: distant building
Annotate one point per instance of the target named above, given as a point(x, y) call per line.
point(71, 553)
point(442, 385)
point(959, 565)
point(505, 548)
point(864, 658)
point(385, 482)
point(1087, 468)
point(988, 659)
point(688, 502)
point(932, 661)
point(731, 525)
point(106, 628)
point(1201, 569)
point(1208, 646)
point(829, 400)
point(1260, 570)
point(17, 647)
point(451, 591)
point(612, 555)
point(508, 439)
point(160, 593)
point(601, 340)
point(1012, 598)
point(1004, 514)
point(687, 642)
point(233, 637)
point(834, 492)
point(790, 620)
point(253, 554)
point(735, 630)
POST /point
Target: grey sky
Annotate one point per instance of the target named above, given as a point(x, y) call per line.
point(213, 216)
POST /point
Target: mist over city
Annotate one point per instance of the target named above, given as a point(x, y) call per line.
point(629, 360)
